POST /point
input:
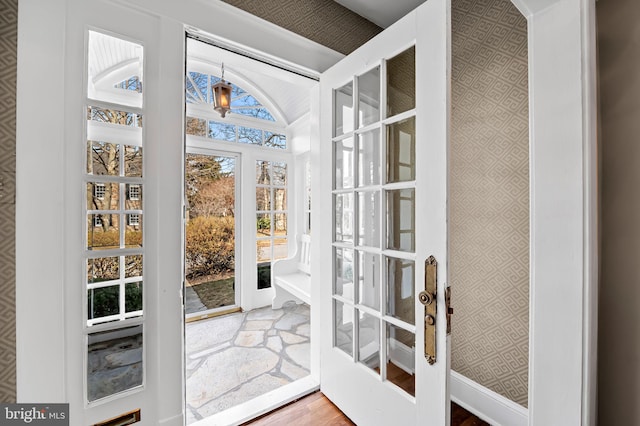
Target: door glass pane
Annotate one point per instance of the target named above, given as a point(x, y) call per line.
point(133, 197)
point(401, 151)
point(279, 174)
point(369, 279)
point(263, 225)
point(263, 199)
point(400, 289)
point(369, 218)
point(343, 326)
point(369, 340)
point(344, 158)
point(401, 358)
point(344, 217)
point(369, 158)
point(280, 224)
point(263, 172)
point(401, 82)
point(344, 273)
point(401, 220)
point(114, 362)
point(343, 110)
point(133, 266)
point(369, 97)
point(210, 232)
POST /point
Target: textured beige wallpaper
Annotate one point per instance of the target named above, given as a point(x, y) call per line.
point(619, 304)
point(323, 21)
point(489, 196)
point(8, 58)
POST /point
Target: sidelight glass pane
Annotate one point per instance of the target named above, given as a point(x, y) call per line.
point(344, 273)
point(103, 158)
point(123, 87)
point(401, 289)
point(133, 266)
point(344, 218)
point(114, 362)
point(103, 269)
point(343, 327)
point(133, 196)
point(103, 302)
point(401, 220)
point(102, 231)
point(401, 358)
point(133, 231)
point(369, 279)
point(103, 196)
point(369, 219)
point(369, 97)
point(401, 82)
point(133, 297)
point(401, 151)
point(369, 341)
point(344, 158)
point(369, 158)
point(132, 161)
point(343, 110)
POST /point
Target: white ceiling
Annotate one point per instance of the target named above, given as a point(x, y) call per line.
point(381, 12)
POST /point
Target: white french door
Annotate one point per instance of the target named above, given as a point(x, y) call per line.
point(383, 150)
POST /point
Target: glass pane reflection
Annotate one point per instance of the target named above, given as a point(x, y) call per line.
point(369, 97)
point(401, 220)
point(401, 82)
point(401, 289)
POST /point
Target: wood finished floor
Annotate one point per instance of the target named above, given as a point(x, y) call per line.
point(317, 410)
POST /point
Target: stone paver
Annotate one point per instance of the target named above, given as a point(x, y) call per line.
point(237, 357)
point(299, 354)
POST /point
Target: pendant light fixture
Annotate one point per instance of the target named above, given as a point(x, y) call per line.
point(222, 96)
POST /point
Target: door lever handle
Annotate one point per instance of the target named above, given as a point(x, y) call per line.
point(428, 298)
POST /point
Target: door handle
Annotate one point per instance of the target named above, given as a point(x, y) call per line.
point(428, 298)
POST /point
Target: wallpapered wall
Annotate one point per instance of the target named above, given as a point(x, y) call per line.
point(323, 21)
point(8, 63)
point(489, 196)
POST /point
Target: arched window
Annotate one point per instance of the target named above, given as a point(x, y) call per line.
point(252, 123)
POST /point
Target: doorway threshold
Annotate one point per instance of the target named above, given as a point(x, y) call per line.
point(197, 316)
point(263, 404)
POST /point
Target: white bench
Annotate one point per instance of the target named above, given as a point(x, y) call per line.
point(291, 277)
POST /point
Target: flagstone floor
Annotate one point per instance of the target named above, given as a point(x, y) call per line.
point(237, 357)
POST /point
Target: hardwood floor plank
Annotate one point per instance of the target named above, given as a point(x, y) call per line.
point(316, 410)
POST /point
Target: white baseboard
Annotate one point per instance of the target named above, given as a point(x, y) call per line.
point(486, 404)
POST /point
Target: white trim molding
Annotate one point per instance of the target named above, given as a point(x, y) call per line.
point(485, 403)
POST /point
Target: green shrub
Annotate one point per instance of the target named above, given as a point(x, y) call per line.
point(210, 246)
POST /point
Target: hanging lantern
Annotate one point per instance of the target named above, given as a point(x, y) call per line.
point(222, 96)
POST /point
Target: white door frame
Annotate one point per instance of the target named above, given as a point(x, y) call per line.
point(563, 193)
point(563, 207)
